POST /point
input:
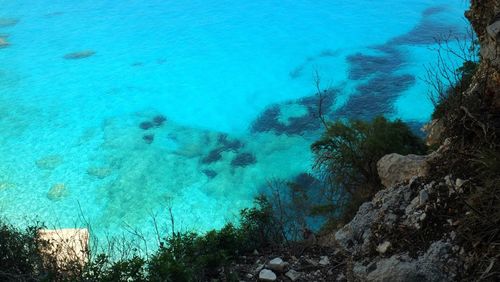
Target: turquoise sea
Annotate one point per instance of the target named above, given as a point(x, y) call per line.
point(114, 111)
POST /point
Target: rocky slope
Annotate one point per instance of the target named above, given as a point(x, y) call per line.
point(415, 229)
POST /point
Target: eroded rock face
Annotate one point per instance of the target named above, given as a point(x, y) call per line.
point(356, 236)
point(428, 267)
point(434, 131)
point(396, 168)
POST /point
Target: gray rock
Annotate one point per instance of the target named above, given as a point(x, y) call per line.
point(494, 30)
point(434, 131)
point(395, 168)
point(277, 264)
point(382, 248)
point(423, 197)
point(434, 265)
point(267, 275)
point(324, 260)
point(293, 275)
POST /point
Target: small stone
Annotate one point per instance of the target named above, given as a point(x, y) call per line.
point(453, 235)
point(448, 181)
point(277, 264)
point(293, 275)
point(267, 275)
point(341, 277)
point(423, 216)
point(382, 248)
point(255, 252)
point(423, 197)
point(459, 182)
point(311, 262)
point(324, 260)
point(259, 268)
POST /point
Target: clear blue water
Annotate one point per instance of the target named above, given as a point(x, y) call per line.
point(211, 68)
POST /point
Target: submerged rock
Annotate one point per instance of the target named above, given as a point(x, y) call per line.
point(57, 192)
point(79, 55)
point(212, 157)
point(148, 138)
point(6, 22)
point(99, 172)
point(49, 162)
point(3, 42)
point(159, 120)
point(209, 173)
point(145, 125)
point(243, 159)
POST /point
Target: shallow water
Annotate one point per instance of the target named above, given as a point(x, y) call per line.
point(71, 141)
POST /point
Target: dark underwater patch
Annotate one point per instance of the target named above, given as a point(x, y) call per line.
point(209, 173)
point(299, 70)
point(376, 97)
point(8, 22)
point(268, 120)
point(156, 121)
point(212, 157)
point(428, 30)
point(148, 138)
point(79, 55)
point(363, 66)
point(243, 159)
point(227, 144)
point(433, 11)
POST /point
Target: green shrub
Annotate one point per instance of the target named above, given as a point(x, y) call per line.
point(347, 156)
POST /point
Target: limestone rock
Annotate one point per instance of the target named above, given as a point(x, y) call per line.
point(293, 275)
point(434, 131)
point(382, 248)
point(57, 192)
point(277, 264)
point(494, 30)
point(434, 265)
point(267, 275)
point(395, 168)
point(68, 245)
point(324, 260)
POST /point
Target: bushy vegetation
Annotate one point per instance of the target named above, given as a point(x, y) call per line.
point(180, 257)
point(347, 156)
